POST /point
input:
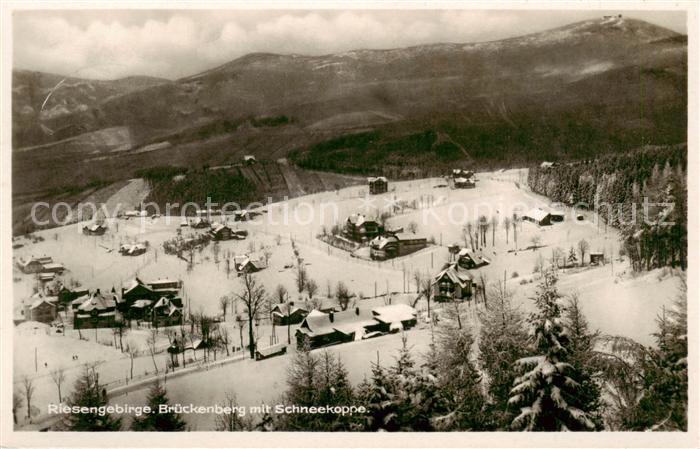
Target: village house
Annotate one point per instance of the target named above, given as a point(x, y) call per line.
point(556, 216)
point(42, 310)
point(46, 277)
point(248, 265)
point(135, 249)
point(464, 183)
point(99, 310)
point(470, 259)
point(222, 232)
point(359, 229)
point(199, 223)
point(249, 159)
point(167, 287)
point(67, 295)
point(320, 329)
point(395, 317)
point(288, 313)
point(538, 216)
point(33, 264)
point(95, 229)
point(270, 351)
point(547, 164)
point(397, 244)
point(378, 185)
point(324, 329)
point(241, 215)
point(52, 267)
point(453, 283)
point(133, 291)
point(596, 258)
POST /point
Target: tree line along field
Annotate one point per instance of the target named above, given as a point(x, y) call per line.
point(206, 281)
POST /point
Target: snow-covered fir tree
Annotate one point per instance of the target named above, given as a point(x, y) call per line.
point(547, 394)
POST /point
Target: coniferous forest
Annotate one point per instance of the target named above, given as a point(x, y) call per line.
point(643, 193)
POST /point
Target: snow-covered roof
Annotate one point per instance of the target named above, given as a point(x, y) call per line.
point(357, 219)
point(142, 303)
point(41, 301)
point(394, 313)
point(98, 301)
point(378, 178)
point(477, 258)
point(537, 214)
point(456, 275)
point(346, 321)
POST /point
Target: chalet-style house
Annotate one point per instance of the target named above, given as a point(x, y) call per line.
point(471, 259)
point(95, 229)
point(99, 310)
point(320, 329)
point(393, 245)
point(67, 295)
point(42, 309)
point(378, 185)
point(167, 312)
point(359, 229)
point(288, 313)
point(453, 283)
point(222, 232)
point(547, 164)
point(395, 317)
point(248, 265)
point(249, 159)
point(139, 299)
point(538, 216)
point(35, 264)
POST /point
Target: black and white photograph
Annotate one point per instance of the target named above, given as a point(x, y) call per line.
point(347, 219)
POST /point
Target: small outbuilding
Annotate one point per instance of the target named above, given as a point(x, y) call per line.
point(538, 216)
point(378, 185)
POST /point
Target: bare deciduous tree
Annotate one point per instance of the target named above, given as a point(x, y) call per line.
point(28, 392)
point(311, 288)
point(280, 293)
point(58, 376)
point(583, 246)
point(224, 302)
point(253, 297)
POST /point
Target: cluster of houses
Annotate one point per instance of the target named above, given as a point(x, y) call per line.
point(44, 267)
point(384, 243)
point(156, 301)
point(318, 329)
point(463, 179)
point(455, 281)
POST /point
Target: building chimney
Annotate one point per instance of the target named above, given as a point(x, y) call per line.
point(330, 316)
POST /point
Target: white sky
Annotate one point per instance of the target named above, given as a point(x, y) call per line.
point(175, 43)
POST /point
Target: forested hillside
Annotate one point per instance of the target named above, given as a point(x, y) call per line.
point(642, 192)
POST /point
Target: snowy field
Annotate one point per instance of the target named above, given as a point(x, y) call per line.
point(613, 300)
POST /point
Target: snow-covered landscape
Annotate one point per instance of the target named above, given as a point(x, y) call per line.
point(615, 301)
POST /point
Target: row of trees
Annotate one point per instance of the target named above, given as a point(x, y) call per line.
point(642, 192)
